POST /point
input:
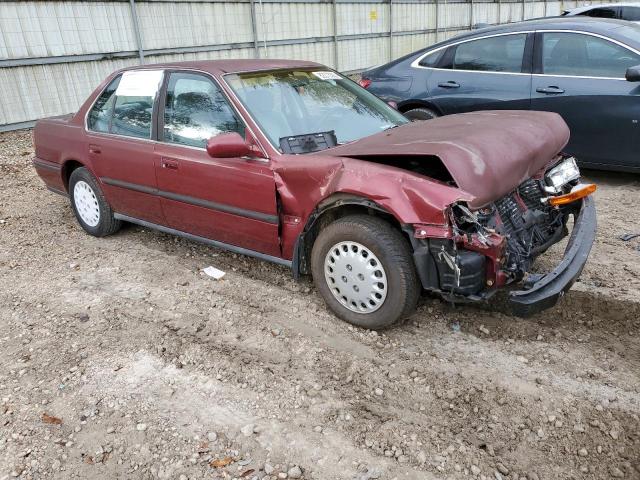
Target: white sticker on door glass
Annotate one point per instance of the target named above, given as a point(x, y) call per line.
point(327, 75)
point(139, 83)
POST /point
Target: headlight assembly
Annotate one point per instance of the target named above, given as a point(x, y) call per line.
point(563, 173)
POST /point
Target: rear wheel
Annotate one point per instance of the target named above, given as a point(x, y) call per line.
point(420, 114)
point(92, 210)
point(364, 270)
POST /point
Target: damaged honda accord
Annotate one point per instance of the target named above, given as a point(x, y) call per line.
point(291, 162)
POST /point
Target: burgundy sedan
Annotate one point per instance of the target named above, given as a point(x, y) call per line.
point(293, 163)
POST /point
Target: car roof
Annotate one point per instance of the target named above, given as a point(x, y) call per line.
point(586, 8)
point(220, 67)
point(621, 30)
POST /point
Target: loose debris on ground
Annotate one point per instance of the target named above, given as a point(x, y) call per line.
point(119, 358)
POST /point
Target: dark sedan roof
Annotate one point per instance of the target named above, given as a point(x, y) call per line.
point(232, 66)
point(617, 29)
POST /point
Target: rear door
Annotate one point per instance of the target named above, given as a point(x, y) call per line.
point(231, 200)
point(582, 77)
point(482, 74)
point(120, 146)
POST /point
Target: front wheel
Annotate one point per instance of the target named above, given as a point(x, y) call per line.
point(364, 270)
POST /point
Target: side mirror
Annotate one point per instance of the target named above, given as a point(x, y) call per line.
point(633, 74)
point(228, 145)
point(392, 104)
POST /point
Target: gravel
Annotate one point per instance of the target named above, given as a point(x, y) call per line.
point(147, 369)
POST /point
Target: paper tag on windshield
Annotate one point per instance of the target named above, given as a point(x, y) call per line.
point(327, 75)
point(139, 83)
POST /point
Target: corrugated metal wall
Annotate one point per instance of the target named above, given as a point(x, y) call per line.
point(54, 53)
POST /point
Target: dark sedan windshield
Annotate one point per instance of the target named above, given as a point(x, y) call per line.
point(299, 102)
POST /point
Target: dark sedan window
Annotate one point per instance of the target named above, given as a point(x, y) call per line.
point(574, 54)
point(432, 59)
point(100, 115)
point(631, 14)
point(494, 54)
point(196, 110)
point(601, 13)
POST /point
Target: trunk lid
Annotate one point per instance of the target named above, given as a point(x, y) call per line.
point(488, 154)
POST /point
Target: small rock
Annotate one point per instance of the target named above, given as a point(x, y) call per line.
point(614, 434)
point(502, 469)
point(583, 452)
point(522, 359)
point(295, 472)
point(475, 470)
point(111, 430)
point(282, 475)
point(317, 429)
point(379, 392)
point(616, 472)
point(141, 427)
point(212, 436)
point(268, 468)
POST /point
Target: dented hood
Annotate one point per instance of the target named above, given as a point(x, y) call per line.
point(488, 153)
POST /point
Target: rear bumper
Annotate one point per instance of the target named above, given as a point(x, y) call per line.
point(548, 288)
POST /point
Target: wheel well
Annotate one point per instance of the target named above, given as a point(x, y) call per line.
point(411, 104)
point(67, 169)
point(328, 211)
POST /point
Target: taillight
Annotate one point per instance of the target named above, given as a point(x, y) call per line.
point(364, 82)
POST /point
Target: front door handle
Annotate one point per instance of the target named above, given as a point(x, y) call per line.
point(449, 84)
point(169, 164)
point(551, 90)
point(94, 149)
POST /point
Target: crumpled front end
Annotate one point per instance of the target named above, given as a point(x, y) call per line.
point(496, 245)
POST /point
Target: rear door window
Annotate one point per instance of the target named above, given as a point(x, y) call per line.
point(125, 107)
point(503, 53)
point(575, 54)
point(100, 115)
point(196, 110)
point(135, 96)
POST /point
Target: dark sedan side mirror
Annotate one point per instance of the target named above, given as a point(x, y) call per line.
point(228, 145)
point(633, 74)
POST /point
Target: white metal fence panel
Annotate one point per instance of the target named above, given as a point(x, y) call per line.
point(43, 29)
point(54, 52)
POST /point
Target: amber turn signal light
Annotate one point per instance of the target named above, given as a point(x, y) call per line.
point(578, 192)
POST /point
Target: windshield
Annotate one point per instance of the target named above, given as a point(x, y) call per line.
point(302, 102)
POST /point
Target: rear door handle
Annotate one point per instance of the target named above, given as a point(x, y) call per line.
point(551, 90)
point(449, 84)
point(94, 149)
point(169, 163)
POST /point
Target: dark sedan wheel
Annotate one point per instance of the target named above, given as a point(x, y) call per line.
point(419, 114)
point(91, 208)
point(364, 270)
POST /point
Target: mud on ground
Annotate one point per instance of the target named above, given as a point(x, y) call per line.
point(119, 359)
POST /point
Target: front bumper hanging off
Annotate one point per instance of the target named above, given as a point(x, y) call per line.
point(548, 288)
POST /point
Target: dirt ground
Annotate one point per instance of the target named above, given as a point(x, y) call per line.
point(120, 359)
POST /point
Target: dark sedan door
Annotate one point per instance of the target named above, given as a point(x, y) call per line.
point(483, 74)
point(581, 77)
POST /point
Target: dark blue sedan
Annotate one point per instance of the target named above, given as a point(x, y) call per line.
point(587, 70)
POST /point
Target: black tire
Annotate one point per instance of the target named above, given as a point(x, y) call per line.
point(420, 114)
point(106, 224)
point(394, 253)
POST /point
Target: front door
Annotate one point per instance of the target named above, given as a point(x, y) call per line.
point(483, 74)
point(582, 77)
point(231, 200)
